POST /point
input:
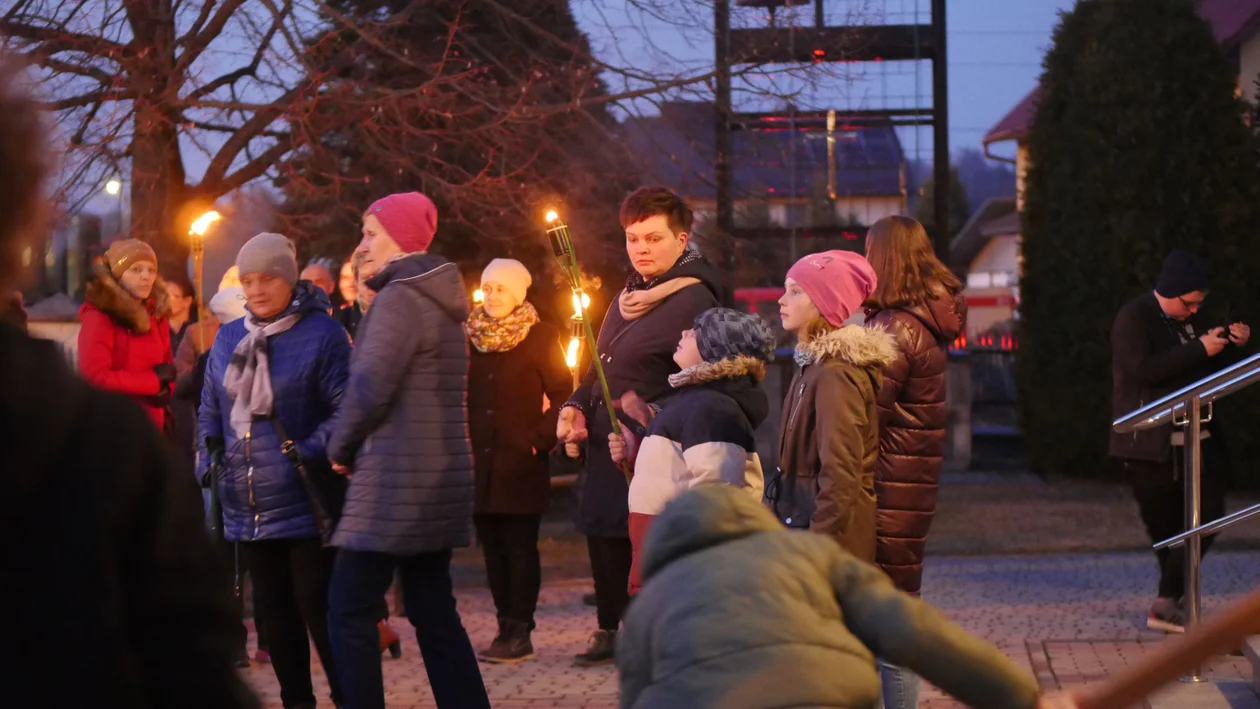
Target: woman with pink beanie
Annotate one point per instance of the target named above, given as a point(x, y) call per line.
point(829, 436)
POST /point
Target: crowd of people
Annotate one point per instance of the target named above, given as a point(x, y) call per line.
point(343, 448)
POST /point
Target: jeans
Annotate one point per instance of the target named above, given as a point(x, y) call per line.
point(513, 568)
point(899, 687)
point(611, 558)
point(291, 584)
point(360, 580)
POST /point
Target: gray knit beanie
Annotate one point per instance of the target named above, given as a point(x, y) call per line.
point(722, 333)
point(269, 253)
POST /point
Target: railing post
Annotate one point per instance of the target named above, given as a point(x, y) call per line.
point(1193, 470)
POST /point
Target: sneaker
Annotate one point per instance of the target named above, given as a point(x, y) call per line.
point(262, 657)
point(1167, 615)
point(600, 650)
point(511, 645)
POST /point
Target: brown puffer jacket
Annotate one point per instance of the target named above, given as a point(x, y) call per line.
point(912, 432)
point(829, 438)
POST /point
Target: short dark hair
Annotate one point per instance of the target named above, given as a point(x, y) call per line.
point(648, 202)
point(24, 154)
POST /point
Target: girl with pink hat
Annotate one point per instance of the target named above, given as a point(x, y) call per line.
point(829, 436)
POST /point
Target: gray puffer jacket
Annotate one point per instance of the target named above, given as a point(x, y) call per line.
point(404, 418)
point(737, 612)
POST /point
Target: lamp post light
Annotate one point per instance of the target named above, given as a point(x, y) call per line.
point(198, 232)
point(114, 188)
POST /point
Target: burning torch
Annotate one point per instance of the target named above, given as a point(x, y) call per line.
point(562, 247)
point(198, 233)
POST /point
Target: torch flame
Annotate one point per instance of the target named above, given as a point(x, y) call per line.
point(571, 355)
point(552, 216)
point(580, 304)
point(479, 296)
point(203, 223)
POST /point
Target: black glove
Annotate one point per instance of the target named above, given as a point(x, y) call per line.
point(165, 373)
point(216, 453)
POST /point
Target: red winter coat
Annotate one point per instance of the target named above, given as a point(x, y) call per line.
point(912, 432)
point(122, 339)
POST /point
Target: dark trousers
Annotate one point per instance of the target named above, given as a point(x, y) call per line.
point(291, 578)
point(611, 558)
point(1160, 490)
point(513, 569)
point(359, 582)
point(239, 633)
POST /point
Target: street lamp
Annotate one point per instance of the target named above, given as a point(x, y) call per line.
point(113, 187)
point(198, 233)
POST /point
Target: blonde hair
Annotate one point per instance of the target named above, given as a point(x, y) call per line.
point(908, 270)
point(815, 329)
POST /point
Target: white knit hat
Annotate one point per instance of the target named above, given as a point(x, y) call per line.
point(228, 305)
point(509, 273)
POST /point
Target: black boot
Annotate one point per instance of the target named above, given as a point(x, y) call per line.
point(600, 649)
point(496, 645)
point(512, 645)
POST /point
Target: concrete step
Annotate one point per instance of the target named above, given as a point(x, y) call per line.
point(1251, 651)
point(1236, 694)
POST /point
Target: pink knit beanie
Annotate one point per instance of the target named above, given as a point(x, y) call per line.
point(836, 281)
point(409, 217)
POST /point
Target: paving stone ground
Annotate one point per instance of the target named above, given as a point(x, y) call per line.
point(1070, 619)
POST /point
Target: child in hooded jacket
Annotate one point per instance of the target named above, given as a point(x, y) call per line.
point(737, 612)
point(706, 433)
point(829, 435)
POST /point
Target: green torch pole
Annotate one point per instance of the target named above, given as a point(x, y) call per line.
point(562, 246)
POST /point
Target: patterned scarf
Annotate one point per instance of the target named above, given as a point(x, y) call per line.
point(489, 334)
point(641, 296)
point(248, 376)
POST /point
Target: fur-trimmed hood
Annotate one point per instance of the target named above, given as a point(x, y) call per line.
point(730, 368)
point(105, 293)
point(866, 347)
point(737, 378)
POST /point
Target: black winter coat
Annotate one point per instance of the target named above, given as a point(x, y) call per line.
point(112, 588)
point(1149, 361)
point(511, 433)
point(403, 420)
point(638, 355)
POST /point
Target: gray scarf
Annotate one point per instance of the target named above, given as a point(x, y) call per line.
point(248, 375)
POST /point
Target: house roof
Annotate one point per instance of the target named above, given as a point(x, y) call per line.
point(1014, 125)
point(676, 148)
point(995, 212)
point(1008, 225)
point(1232, 22)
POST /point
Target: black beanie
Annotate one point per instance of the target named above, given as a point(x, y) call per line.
point(1182, 273)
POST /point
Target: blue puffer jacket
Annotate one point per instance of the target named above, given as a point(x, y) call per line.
point(404, 422)
point(262, 493)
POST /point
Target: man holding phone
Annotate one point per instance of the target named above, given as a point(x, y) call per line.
point(1160, 344)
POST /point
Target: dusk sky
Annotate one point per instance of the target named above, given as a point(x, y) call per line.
point(995, 49)
point(995, 52)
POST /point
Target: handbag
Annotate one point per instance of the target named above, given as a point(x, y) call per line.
point(323, 520)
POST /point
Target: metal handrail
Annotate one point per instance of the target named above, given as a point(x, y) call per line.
point(1206, 390)
point(1210, 527)
point(1185, 408)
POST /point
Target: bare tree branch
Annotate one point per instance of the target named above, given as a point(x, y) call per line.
point(197, 43)
point(95, 97)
